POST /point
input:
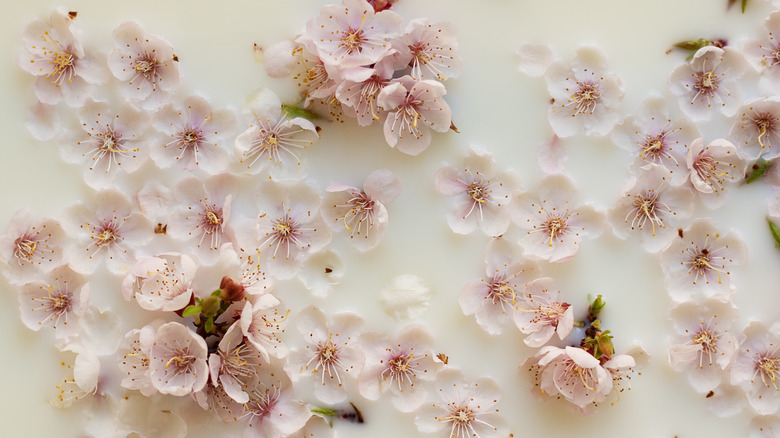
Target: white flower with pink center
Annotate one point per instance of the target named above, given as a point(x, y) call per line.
point(481, 196)
point(234, 363)
point(703, 347)
point(289, 226)
point(53, 52)
point(137, 346)
point(271, 409)
point(216, 400)
point(195, 136)
point(163, 282)
point(574, 374)
point(262, 322)
point(709, 82)
point(331, 353)
point(652, 208)
point(415, 107)
point(145, 65)
point(555, 221)
point(463, 409)
point(30, 247)
point(178, 360)
point(359, 91)
point(757, 365)
point(109, 230)
point(429, 50)
point(585, 98)
point(351, 34)
point(700, 261)
point(541, 313)
point(243, 267)
point(109, 143)
point(362, 212)
point(655, 136)
point(57, 302)
point(493, 299)
point(756, 129)
point(402, 366)
point(316, 80)
point(764, 55)
point(713, 168)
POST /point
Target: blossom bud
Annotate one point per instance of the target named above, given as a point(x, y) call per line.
point(211, 306)
point(231, 291)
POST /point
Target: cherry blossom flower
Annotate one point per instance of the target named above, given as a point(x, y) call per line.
point(135, 362)
point(85, 380)
point(651, 207)
point(464, 409)
point(271, 409)
point(399, 366)
point(178, 360)
point(243, 267)
point(321, 272)
point(29, 248)
point(362, 212)
point(430, 50)
point(110, 143)
point(109, 230)
point(234, 361)
point(144, 64)
point(619, 367)
point(203, 214)
point(541, 313)
point(713, 167)
point(584, 97)
point(763, 55)
point(273, 141)
point(331, 352)
point(197, 136)
point(351, 34)
point(57, 302)
point(359, 89)
point(289, 226)
point(316, 80)
point(699, 263)
point(653, 136)
point(573, 374)
point(415, 108)
point(493, 299)
point(53, 52)
point(555, 221)
point(215, 399)
point(147, 417)
point(757, 128)
point(703, 346)
point(262, 323)
point(163, 282)
point(480, 195)
point(710, 79)
point(756, 367)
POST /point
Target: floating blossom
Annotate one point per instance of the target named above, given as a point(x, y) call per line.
point(261, 323)
point(321, 272)
point(30, 248)
point(699, 263)
point(763, 55)
point(585, 99)
point(234, 363)
point(399, 366)
point(134, 363)
point(481, 196)
point(651, 207)
point(359, 91)
point(163, 282)
point(703, 346)
point(534, 59)
point(493, 299)
point(415, 108)
point(757, 128)
point(351, 34)
point(362, 212)
point(178, 360)
point(144, 64)
point(273, 141)
point(711, 79)
point(243, 267)
point(58, 302)
point(573, 374)
point(541, 313)
point(53, 52)
point(271, 409)
point(110, 143)
point(713, 167)
point(330, 353)
point(430, 50)
point(463, 409)
point(196, 136)
point(110, 230)
point(652, 136)
point(757, 365)
point(555, 221)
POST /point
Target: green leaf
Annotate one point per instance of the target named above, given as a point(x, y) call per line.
point(209, 324)
point(759, 169)
point(191, 310)
point(325, 412)
point(216, 293)
point(296, 111)
point(775, 233)
point(693, 44)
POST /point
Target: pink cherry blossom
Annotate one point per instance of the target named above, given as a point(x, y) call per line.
point(463, 409)
point(135, 362)
point(699, 262)
point(215, 399)
point(144, 64)
point(756, 129)
point(316, 80)
point(30, 248)
point(709, 82)
point(541, 312)
point(262, 321)
point(163, 282)
point(555, 221)
point(271, 409)
point(756, 367)
point(481, 196)
point(233, 363)
point(763, 55)
point(359, 91)
point(430, 50)
point(585, 98)
point(415, 108)
point(58, 302)
point(362, 212)
point(178, 360)
point(713, 168)
point(573, 374)
point(243, 267)
point(494, 298)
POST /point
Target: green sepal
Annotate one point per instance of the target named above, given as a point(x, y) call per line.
point(325, 412)
point(293, 111)
point(216, 293)
point(744, 4)
point(191, 310)
point(775, 232)
point(693, 44)
point(209, 324)
point(759, 169)
point(596, 306)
